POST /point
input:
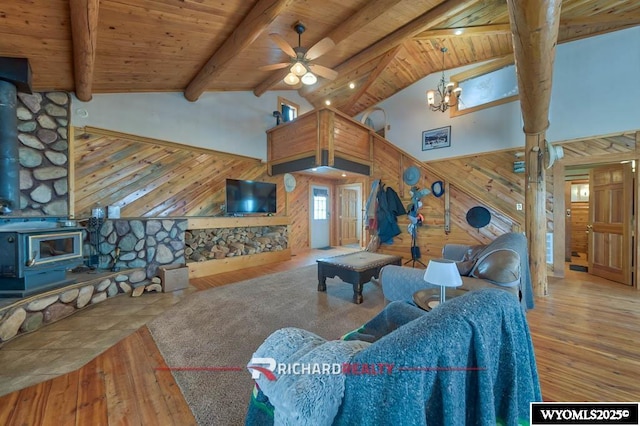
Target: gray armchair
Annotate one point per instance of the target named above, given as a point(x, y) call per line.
point(503, 264)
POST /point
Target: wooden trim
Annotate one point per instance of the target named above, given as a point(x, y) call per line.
point(84, 32)
point(479, 30)
point(559, 220)
point(604, 158)
point(478, 71)
point(144, 139)
point(485, 68)
point(218, 266)
point(285, 101)
point(236, 222)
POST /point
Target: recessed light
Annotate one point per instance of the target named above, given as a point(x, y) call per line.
point(457, 32)
point(327, 102)
point(344, 175)
point(352, 85)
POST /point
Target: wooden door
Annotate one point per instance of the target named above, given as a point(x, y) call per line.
point(610, 222)
point(348, 216)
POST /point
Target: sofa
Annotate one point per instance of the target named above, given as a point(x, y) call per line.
point(468, 361)
point(502, 264)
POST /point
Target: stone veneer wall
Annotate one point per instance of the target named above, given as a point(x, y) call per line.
point(33, 312)
point(143, 243)
point(43, 120)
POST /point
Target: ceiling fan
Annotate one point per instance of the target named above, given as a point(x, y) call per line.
point(301, 67)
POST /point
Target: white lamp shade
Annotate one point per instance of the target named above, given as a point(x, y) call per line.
point(443, 272)
point(291, 79)
point(309, 78)
point(431, 97)
point(298, 69)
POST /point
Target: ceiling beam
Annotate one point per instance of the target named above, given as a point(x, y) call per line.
point(598, 20)
point(84, 33)
point(355, 22)
point(425, 21)
point(535, 25)
point(256, 21)
point(480, 30)
point(382, 65)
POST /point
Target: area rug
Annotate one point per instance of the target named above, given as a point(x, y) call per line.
point(208, 338)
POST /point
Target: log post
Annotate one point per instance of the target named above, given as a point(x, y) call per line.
point(534, 26)
point(84, 33)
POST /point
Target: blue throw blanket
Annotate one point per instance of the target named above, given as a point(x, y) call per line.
point(469, 361)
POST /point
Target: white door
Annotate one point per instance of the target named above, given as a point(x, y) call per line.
point(319, 227)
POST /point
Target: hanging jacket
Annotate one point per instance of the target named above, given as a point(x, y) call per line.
point(389, 208)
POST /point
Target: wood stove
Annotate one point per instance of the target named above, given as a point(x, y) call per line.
point(35, 259)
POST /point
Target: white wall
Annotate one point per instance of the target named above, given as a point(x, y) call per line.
point(233, 122)
point(596, 89)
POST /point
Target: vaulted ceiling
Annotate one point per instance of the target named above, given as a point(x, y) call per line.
point(194, 46)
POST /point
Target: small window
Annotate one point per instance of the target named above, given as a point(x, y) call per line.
point(489, 85)
point(288, 109)
point(320, 204)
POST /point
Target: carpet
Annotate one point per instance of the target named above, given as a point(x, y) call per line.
point(219, 329)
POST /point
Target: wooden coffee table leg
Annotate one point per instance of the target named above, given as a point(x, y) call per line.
point(357, 293)
point(322, 280)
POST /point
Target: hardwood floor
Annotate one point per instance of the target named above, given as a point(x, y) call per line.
point(585, 334)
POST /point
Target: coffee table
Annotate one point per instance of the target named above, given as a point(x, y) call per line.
point(354, 268)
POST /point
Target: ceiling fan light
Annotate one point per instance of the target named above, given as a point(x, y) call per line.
point(309, 78)
point(291, 79)
point(298, 69)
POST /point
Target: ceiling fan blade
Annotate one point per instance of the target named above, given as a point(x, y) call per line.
point(274, 66)
point(320, 48)
point(283, 45)
point(325, 72)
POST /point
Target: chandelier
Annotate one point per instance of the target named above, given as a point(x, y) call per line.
point(445, 95)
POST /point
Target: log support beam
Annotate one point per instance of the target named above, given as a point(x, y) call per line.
point(534, 26)
point(84, 33)
point(252, 26)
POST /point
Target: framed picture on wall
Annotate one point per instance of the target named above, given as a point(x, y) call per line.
point(436, 138)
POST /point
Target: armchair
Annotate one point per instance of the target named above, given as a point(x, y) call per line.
point(503, 264)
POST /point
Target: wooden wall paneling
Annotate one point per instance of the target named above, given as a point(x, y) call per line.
point(579, 222)
point(147, 177)
point(294, 139)
point(325, 136)
point(351, 141)
point(489, 178)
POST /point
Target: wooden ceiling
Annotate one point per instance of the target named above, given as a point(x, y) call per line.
point(192, 46)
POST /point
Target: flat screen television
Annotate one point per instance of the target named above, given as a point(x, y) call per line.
point(247, 196)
